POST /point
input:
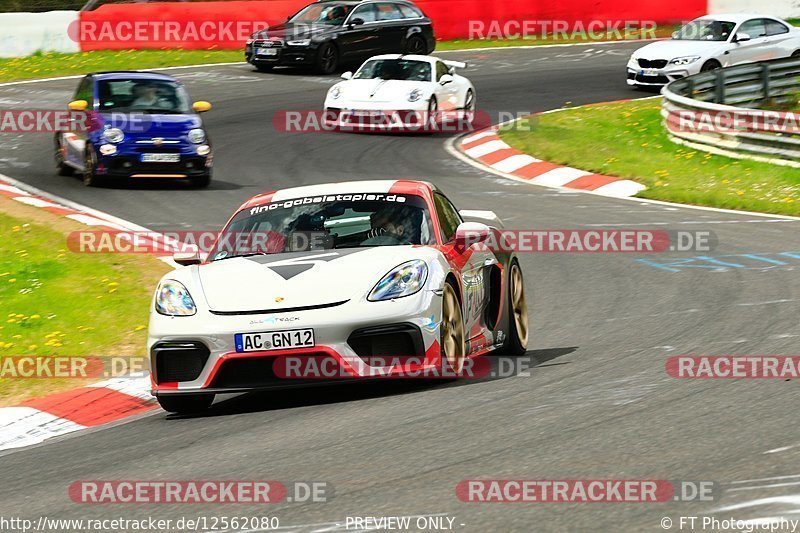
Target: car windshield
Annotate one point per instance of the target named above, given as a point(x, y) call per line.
point(326, 223)
point(705, 30)
point(142, 96)
point(395, 69)
point(332, 14)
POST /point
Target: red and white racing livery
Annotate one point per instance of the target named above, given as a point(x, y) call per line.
point(353, 271)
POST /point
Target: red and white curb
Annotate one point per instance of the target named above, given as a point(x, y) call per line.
point(39, 419)
point(488, 149)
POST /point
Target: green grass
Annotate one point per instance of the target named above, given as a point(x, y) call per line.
point(628, 140)
point(56, 302)
point(52, 64)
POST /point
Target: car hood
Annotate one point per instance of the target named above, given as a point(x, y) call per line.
point(672, 48)
point(150, 124)
point(289, 31)
point(376, 90)
point(272, 283)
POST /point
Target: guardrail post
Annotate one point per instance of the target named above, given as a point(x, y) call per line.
point(765, 72)
point(720, 86)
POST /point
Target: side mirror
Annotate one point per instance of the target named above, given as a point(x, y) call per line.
point(447, 78)
point(741, 38)
point(78, 105)
point(347, 75)
point(356, 22)
point(201, 106)
point(190, 255)
point(469, 233)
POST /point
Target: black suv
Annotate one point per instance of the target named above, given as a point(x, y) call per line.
point(328, 33)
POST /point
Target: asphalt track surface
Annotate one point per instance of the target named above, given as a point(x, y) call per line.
point(598, 405)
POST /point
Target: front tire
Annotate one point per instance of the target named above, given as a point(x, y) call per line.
point(62, 169)
point(203, 181)
point(711, 64)
point(90, 178)
point(186, 404)
point(327, 58)
point(517, 343)
point(452, 330)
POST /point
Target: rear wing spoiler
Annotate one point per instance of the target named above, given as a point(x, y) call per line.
point(456, 64)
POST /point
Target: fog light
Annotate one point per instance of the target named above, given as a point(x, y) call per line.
point(108, 149)
point(203, 149)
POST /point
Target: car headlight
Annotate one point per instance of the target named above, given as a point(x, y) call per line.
point(414, 95)
point(684, 60)
point(299, 42)
point(172, 299)
point(336, 92)
point(403, 280)
point(197, 136)
point(203, 149)
point(113, 135)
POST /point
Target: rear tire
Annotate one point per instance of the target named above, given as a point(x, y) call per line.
point(327, 58)
point(517, 342)
point(62, 169)
point(416, 46)
point(186, 404)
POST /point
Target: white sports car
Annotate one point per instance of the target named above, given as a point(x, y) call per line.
point(346, 271)
point(713, 42)
point(400, 92)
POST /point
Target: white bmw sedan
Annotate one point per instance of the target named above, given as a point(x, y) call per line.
point(712, 42)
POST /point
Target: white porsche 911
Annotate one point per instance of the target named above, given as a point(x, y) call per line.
point(348, 271)
point(400, 91)
point(712, 42)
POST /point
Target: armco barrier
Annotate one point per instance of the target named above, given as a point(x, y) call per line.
point(22, 34)
point(452, 18)
point(718, 110)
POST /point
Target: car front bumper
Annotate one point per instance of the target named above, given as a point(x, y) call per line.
point(127, 165)
point(207, 360)
point(656, 77)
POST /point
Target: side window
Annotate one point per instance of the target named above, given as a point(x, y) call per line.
point(441, 70)
point(389, 12)
point(367, 13)
point(775, 28)
point(754, 28)
point(84, 91)
point(409, 12)
point(449, 219)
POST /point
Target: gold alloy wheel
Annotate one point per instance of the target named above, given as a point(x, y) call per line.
point(452, 329)
point(518, 305)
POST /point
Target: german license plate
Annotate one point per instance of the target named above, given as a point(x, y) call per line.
point(267, 51)
point(274, 340)
point(161, 158)
point(650, 72)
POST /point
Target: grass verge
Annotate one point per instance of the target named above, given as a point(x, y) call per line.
point(55, 302)
point(628, 140)
point(52, 64)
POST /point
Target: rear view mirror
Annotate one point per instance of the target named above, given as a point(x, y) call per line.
point(347, 75)
point(189, 255)
point(447, 78)
point(357, 22)
point(469, 233)
point(741, 37)
point(201, 106)
point(78, 105)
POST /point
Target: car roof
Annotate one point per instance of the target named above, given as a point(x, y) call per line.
point(130, 75)
point(415, 187)
point(737, 17)
point(427, 59)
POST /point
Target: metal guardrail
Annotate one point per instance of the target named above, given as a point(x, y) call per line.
point(729, 110)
